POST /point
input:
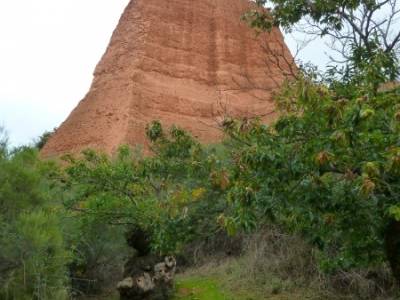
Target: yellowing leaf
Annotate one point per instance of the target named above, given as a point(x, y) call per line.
point(368, 186)
point(371, 168)
point(394, 211)
point(323, 157)
point(366, 113)
point(198, 193)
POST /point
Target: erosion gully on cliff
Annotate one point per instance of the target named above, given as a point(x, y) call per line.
point(182, 62)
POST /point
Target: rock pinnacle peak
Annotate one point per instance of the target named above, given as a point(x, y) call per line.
point(181, 62)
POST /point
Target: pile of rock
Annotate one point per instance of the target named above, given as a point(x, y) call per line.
point(147, 276)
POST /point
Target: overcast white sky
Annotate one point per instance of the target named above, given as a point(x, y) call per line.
point(48, 51)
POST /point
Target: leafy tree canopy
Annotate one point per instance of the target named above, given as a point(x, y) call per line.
point(365, 33)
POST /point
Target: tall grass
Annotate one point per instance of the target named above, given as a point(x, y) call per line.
point(274, 264)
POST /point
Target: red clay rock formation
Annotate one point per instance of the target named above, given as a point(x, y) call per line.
point(182, 62)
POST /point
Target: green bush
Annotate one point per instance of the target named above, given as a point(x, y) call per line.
point(99, 252)
point(34, 244)
point(174, 195)
point(328, 169)
point(33, 255)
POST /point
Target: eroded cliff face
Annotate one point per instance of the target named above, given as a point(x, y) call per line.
point(182, 62)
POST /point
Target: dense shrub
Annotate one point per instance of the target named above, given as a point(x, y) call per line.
point(41, 141)
point(33, 254)
point(99, 252)
point(174, 195)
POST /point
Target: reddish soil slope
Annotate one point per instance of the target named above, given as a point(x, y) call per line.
point(181, 62)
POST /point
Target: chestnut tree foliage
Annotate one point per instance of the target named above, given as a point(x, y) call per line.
point(328, 170)
point(365, 33)
point(174, 195)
